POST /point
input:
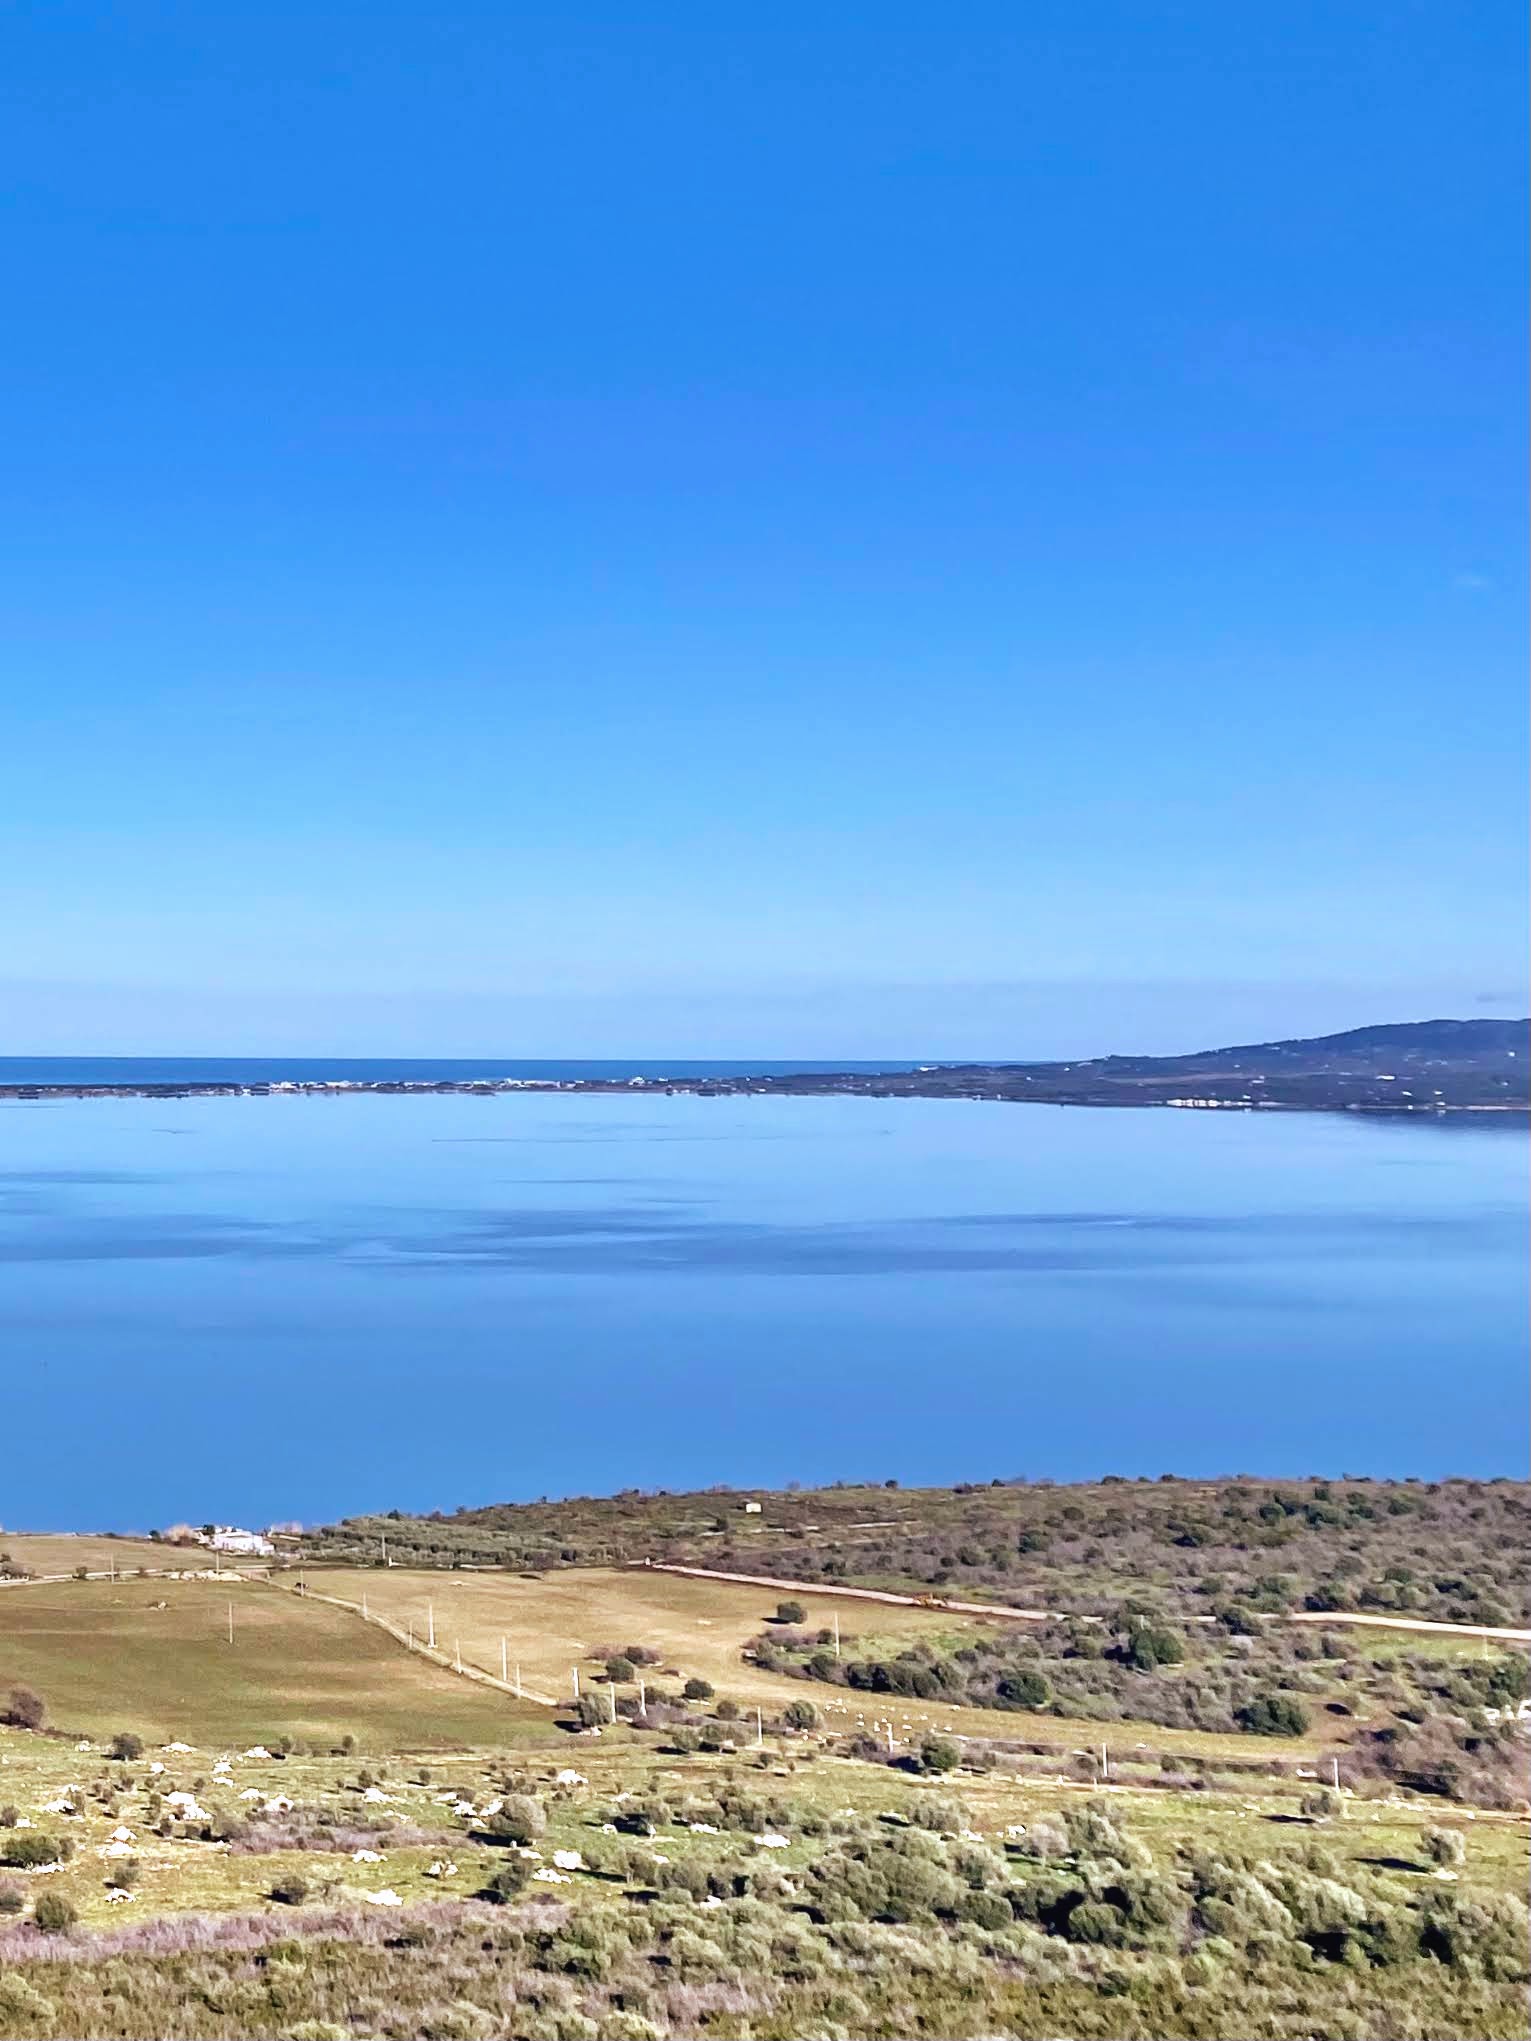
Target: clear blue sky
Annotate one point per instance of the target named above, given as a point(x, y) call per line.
point(858, 530)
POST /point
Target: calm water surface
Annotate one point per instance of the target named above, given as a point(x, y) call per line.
point(257, 1308)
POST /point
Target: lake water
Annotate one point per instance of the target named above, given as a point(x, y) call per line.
point(297, 1307)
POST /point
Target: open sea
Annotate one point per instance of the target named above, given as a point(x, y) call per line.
point(297, 1306)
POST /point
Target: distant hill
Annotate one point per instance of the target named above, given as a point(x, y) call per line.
point(1431, 1066)
point(1498, 1045)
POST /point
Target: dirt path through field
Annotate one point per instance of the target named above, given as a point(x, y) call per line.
point(1330, 1618)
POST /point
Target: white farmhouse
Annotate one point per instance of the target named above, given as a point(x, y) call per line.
point(229, 1538)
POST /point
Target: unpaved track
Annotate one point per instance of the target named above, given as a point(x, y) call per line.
point(1329, 1618)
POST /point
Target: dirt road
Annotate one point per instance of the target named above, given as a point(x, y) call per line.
point(1330, 1618)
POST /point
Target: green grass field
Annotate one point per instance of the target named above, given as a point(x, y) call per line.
point(108, 1656)
point(558, 1621)
point(178, 1875)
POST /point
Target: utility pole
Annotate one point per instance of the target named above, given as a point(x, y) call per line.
point(231, 1622)
point(457, 1654)
point(759, 1727)
point(837, 1633)
point(575, 1671)
point(888, 1726)
point(364, 1616)
point(643, 1698)
point(611, 1702)
point(430, 1619)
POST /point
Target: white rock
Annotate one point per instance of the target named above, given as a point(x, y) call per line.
point(257, 1750)
point(375, 1794)
point(156, 1767)
point(83, 1744)
point(116, 1896)
point(550, 1877)
point(114, 1850)
point(252, 1793)
point(568, 1860)
point(366, 1857)
point(387, 1897)
point(772, 1842)
point(122, 1835)
point(701, 1828)
point(568, 1778)
point(182, 1747)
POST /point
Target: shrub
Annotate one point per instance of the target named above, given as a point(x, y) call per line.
point(697, 1690)
point(126, 1745)
point(939, 1754)
point(1446, 1846)
point(791, 1612)
point(1151, 1644)
point(24, 1709)
point(53, 1913)
point(801, 1715)
point(520, 1819)
point(12, 1898)
point(25, 2003)
point(508, 1881)
point(290, 1890)
point(727, 1711)
point(1094, 1921)
point(620, 1671)
point(1023, 1689)
point(941, 1815)
point(1273, 1715)
point(26, 1849)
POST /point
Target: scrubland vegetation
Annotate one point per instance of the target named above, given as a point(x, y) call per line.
point(1122, 1820)
point(774, 1892)
point(1449, 1551)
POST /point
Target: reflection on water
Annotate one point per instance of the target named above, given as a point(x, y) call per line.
point(305, 1306)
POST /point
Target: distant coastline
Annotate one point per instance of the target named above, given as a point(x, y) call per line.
point(1412, 1068)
